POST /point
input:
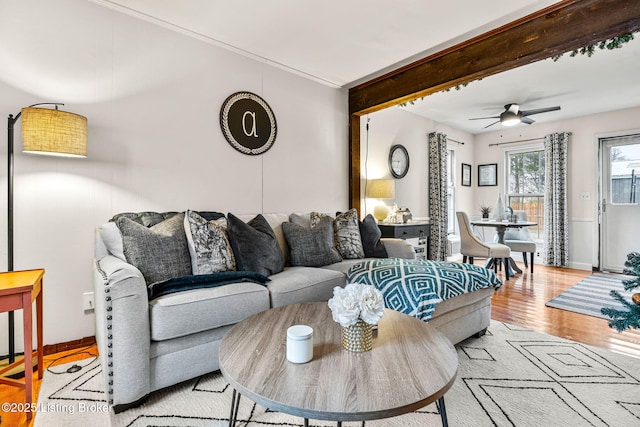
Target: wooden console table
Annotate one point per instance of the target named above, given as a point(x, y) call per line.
point(18, 289)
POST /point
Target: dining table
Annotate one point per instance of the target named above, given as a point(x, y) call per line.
point(501, 227)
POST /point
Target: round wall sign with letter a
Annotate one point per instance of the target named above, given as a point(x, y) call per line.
point(248, 123)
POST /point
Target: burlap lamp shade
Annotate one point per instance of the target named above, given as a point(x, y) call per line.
point(47, 131)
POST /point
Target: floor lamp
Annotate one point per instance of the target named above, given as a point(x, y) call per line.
point(44, 131)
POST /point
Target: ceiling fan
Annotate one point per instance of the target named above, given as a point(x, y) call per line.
point(512, 115)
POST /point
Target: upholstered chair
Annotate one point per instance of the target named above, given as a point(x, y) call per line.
point(471, 246)
point(519, 239)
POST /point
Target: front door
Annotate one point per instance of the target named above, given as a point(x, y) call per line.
point(620, 200)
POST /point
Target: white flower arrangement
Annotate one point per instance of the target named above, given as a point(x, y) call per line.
point(356, 301)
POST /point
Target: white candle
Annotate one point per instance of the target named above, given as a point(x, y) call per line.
point(299, 344)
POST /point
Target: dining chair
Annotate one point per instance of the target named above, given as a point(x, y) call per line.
point(471, 246)
point(519, 239)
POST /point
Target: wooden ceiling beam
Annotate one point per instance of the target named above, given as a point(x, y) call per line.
point(560, 28)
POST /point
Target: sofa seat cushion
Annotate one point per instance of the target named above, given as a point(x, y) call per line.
point(183, 313)
point(303, 284)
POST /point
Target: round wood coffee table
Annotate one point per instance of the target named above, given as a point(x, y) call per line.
point(410, 366)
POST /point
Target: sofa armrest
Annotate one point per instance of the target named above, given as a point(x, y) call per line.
point(122, 329)
point(398, 248)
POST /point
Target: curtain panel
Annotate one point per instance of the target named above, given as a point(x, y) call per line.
point(556, 215)
point(438, 212)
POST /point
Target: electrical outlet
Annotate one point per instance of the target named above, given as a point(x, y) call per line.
point(87, 301)
point(586, 195)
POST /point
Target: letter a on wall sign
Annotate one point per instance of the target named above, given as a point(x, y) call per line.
point(248, 123)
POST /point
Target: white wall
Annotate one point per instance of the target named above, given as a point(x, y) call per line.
point(152, 98)
point(582, 174)
point(397, 126)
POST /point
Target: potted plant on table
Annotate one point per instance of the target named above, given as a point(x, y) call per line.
point(485, 210)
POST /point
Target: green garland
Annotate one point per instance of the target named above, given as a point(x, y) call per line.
point(610, 44)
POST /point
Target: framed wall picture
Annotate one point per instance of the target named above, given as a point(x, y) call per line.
point(248, 123)
point(466, 175)
point(487, 175)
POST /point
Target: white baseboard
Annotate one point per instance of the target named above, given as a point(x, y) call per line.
point(580, 266)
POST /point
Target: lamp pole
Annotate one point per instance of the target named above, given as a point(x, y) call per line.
point(12, 121)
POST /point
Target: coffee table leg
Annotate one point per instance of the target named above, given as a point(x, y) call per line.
point(306, 422)
point(235, 404)
point(443, 411)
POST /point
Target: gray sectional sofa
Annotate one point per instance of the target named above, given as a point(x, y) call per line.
point(146, 345)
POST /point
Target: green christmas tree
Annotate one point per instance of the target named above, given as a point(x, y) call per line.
point(630, 318)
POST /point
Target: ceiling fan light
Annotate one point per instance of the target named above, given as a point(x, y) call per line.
point(509, 119)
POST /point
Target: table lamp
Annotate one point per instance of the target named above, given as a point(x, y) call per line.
point(381, 189)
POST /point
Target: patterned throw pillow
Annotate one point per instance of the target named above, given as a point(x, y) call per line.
point(160, 252)
point(311, 247)
point(209, 246)
point(346, 233)
point(255, 245)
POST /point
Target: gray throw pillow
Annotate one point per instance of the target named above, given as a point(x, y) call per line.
point(255, 245)
point(370, 234)
point(209, 246)
point(346, 233)
point(311, 247)
point(159, 252)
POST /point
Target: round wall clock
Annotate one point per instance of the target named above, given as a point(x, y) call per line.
point(398, 161)
point(248, 123)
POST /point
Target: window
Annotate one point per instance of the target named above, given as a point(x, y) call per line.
point(451, 190)
point(624, 170)
point(525, 186)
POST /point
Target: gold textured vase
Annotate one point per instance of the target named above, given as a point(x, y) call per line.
point(358, 337)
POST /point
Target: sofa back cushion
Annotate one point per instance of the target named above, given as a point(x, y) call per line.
point(160, 252)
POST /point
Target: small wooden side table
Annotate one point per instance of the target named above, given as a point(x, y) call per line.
point(18, 289)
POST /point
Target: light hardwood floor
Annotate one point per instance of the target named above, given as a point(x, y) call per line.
point(520, 302)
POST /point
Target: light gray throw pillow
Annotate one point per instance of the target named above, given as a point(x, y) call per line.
point(209, 246)
point(311, 247)
point(160, 252)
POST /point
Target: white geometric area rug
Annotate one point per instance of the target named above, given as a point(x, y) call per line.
point(510, 377)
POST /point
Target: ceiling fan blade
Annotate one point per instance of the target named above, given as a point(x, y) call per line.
point(491, 124)
point(527, 120)
point(483, 118)
point(539, 110)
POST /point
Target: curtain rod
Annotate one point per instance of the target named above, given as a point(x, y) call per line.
point(522, 140)
point(453, 140)
point(514, 142)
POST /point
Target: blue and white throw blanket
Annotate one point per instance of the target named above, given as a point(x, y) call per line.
point(415, 287)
